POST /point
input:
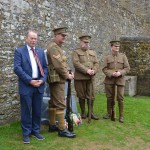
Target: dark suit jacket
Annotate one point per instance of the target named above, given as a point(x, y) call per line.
point(23, 69)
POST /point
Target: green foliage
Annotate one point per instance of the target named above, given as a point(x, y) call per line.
point(103, 134)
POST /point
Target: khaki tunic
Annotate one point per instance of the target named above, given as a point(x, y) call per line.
point(57, 75)
point(82, 61)
point(57, 64)
point(115, 63)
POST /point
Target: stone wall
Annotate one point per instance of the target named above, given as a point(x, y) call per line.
point(103, 19)
point(137, 50)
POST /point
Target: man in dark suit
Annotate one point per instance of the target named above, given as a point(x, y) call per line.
point(31, 68)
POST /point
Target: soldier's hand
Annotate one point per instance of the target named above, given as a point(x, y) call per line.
point(116, 74)
point(93, 72)
point(72, 74)
point(89, 71)
point(70, 77)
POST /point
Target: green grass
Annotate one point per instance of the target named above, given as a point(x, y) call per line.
point(133, 134)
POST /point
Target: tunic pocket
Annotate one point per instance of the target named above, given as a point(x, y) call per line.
point(53, 76)
point(92, 57)
point(111, 63)
point(82, 58)
point(120, 64)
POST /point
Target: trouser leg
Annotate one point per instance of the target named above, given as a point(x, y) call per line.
point(92, 113)
point(109, 89)
point(121, 111)
point(120, 98)
point(121, 108)
point(82, 107)
point(36, 112)
point(26, 119)
point(109, 107)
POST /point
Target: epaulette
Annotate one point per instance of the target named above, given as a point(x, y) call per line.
point(92, 52)
point(77, 49)
point(109, 53)
point(54, 46)
point(91, 49)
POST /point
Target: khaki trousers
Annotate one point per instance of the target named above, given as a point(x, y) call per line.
point(110, 93)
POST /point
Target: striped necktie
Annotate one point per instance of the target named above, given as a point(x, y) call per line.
point(38, 61)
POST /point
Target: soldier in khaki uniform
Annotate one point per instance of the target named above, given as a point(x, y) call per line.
point(57, 75)
point(86, 66)
point(115, 67)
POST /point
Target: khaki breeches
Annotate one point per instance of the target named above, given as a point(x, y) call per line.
point(110, 92)
point(82, 88)
point(57, 91)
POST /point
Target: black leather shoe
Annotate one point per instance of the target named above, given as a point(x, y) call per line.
point(94, 117)
point(107, 116)
point(26, 139)
point(53, 128)
point(66, 133)
point(38, 136)
point(121, 119)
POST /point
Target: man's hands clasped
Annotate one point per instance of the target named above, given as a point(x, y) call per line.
point(36, 83)
point(91, 72)
point(116, 74)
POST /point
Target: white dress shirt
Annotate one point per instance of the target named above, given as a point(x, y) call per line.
point(33, 62)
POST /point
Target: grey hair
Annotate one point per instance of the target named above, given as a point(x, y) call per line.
point(31, 30)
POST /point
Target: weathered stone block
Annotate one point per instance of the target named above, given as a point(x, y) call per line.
point(131, 85)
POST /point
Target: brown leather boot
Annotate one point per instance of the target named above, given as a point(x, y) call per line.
point(82, 107)
point(121, 110)
point(92, 114)
point(121, 119)
point(109, 109)
point(107, 116)
point(94, 117)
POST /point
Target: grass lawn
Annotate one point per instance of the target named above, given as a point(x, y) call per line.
point(133, 134)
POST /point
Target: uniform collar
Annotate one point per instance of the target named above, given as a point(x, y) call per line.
point(115, 54)
point(84, 49)
point(60, 45)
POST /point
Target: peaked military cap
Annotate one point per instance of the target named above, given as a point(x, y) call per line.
point(85, 38)
point(115, 41)
point(62, 30)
